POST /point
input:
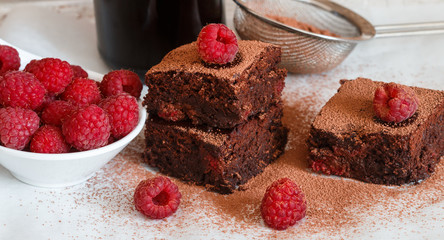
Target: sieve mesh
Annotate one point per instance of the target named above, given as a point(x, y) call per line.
point(302, 51)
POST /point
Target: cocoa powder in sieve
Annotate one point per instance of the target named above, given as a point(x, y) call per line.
point(301, 25)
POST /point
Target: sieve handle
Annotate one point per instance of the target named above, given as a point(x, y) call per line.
point(409, 29)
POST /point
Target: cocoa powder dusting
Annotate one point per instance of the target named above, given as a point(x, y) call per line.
point(338, 208)
point(301, 25)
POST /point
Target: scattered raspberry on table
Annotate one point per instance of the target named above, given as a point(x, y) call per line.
point(157, 198)
point(283, 204)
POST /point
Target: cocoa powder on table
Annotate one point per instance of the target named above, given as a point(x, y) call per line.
point(336, 206)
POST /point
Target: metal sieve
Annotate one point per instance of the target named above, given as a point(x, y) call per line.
point(307, 52)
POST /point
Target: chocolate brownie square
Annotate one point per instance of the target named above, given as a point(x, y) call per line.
point(347, 139)
point(220, 159)
point(182, 86)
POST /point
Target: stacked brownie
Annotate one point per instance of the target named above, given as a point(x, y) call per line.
point(213, 125)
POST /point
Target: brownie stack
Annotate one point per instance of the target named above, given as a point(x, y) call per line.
point(216, 126)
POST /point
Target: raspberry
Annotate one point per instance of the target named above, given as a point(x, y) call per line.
point(21, 89)
point(49, 98)
point(326, 167)
point(54, 73)
point(120, 81)
point(157, 198)
point(82, 92)
point(9, 59)
point(56, 112)
point(283, 204)
point(279, 87)
point(87, 128)
point(111, 140)
point(213, 163)
point(217, 44)
point(78, 72)
point(123, 112)
point(48, 139)
point(394, 102)
point(169, 112)
point(17, 125)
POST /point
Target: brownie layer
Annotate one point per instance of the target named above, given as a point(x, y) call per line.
point(347, 139)
point(220, 159)
point(184, 86)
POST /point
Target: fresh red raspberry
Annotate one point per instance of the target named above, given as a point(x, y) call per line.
point(78, 72)
point(9, 59)
point(123, 112)
point(82, 92)
point(119, 81)
point(17, 125)
point(169, 112)
point(54, 73)
point(48, 139)
point(157, 198)
point(56, 112)
point(111, 139)
point(283, 204)
point(394, 102)
point(21, 89)
point(217, 44)
point(49, 98)
point(87, 128)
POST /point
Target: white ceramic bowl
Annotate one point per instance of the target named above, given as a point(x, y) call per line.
point(66, 169)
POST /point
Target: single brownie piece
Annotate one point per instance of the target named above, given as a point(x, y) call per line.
point(182, 86)
point(220, 159)
point(347, 139)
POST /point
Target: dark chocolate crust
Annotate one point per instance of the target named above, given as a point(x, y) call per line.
point(220, 159)
point(218, 97)
point(347, 140)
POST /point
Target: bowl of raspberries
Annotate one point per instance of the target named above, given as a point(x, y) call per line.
point(59, 124)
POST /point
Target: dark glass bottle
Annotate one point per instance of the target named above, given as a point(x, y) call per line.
point(136, 34)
